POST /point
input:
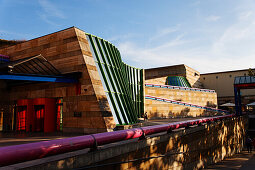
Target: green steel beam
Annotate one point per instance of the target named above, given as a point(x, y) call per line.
point(105, 80)
point(111, 80)
point(117, 83)
point(122, 82)
point(122, 66)
point(126, 81)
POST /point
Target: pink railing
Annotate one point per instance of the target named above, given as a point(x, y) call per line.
point(25, 152)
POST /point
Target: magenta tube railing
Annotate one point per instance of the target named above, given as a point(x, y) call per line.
point(25, 152)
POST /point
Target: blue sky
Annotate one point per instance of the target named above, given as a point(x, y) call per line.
point(207, 35)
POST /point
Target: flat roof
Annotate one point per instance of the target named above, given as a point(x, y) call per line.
point(165, 67)
point(225, 72)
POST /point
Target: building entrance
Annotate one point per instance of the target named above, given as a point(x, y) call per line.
point(39, 118)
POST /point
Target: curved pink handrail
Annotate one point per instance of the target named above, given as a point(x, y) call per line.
point(25, 152)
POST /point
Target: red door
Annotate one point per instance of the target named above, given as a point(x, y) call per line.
point(39, 118)
point(21, 118)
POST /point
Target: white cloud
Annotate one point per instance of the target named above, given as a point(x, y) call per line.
point(164, 32)
point(238, 39)
point(218, 46)
point(121, 37)
point(213, 18)
point(245, 15)
point(20, 36)
point(49, 11)
point(231, 49)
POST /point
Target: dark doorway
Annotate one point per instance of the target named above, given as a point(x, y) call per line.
point(39, 118)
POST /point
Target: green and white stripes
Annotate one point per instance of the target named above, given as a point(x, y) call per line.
point(123, 84)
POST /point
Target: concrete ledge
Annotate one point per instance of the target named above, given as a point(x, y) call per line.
point(202, 145)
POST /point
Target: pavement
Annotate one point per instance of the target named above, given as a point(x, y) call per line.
point(241, 161)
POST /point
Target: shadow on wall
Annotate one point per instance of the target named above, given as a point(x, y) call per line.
point(197, 84)
point(157, 115)
point(180, 151)
point(211, 104)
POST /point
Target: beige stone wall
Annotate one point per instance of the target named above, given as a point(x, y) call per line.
point(192, 148)
point(223, 82)
point(193, 77)
point(165, 71)
point(160, 80)
point(162, 109)
point(68, 50)
point(202, 146)
point(159, 75)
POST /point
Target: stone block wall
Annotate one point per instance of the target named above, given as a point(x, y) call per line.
point(156, 109)
point(67, 50)
point(159, 75)
point(189, 149)
point(193, 77)
point(192, 148)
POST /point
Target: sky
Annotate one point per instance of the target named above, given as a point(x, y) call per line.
point(207, 35)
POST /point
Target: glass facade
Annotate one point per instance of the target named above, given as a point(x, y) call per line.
point(178, 81)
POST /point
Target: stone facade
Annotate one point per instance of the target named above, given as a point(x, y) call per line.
point(192, 148)
point(223, 84)
point(161, 109)
point(159, 75)
point(68, 50)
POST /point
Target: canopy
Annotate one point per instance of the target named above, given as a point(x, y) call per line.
point(251, 104)
point(228, 104)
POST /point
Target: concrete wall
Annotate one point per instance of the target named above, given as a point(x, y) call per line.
point(160, 74)
point(68, 50)
point(193, 148)
point(162, 109)
point(223, 84)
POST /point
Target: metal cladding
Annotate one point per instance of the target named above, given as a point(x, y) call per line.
point(122, 83)
point(242, 82)
point(25, 152)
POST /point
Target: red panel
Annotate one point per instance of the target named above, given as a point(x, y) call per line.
point(27, 115)
point(49, 104)
point(59, 112)
point(245, 86)
point(21, 118)
point(78, 88)
point(58, 117)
